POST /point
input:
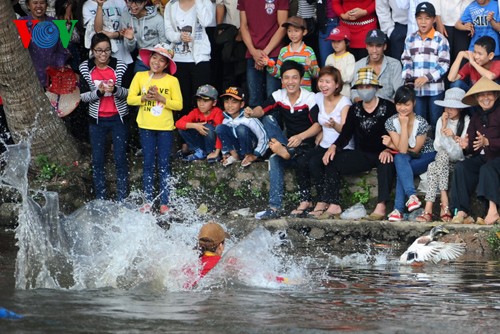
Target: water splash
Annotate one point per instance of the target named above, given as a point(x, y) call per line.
point(107, 244)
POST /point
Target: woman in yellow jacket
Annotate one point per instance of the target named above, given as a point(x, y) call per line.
point(158, 93)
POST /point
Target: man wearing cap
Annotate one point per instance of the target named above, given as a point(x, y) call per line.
point(210, 245)
point(387, 68)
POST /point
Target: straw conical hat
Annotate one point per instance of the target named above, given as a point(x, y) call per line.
point(483, 85)
point(67, 102)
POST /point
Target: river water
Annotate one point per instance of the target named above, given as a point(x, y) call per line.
point(109, 269)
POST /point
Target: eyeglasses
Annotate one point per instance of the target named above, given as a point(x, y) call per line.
point(100, 51)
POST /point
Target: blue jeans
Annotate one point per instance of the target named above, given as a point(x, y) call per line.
point(273, 130)
point(240, 139)
point(426, 108)
point(406, 168)
point(119, 133)
point(156, 143)
point(325, 46)
point(197, 141)
point(276, 163)
point(462, 84)
point(260, 84)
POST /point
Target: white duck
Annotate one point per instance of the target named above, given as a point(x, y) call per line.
point(427, 249)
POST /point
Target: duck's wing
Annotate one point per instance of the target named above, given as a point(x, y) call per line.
point(437, 251)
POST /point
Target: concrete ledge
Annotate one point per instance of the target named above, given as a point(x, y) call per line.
point(345, 237)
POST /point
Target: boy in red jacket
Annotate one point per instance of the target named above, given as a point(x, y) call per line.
point(198, 127)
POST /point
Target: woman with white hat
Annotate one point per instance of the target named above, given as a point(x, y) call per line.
point(480, 171)
point(450, 127)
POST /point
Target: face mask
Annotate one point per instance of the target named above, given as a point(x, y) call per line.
point(367, 94)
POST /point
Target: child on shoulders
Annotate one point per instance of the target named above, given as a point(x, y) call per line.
point(298, 51)
point(241, 136)
point(198, 127)
point(481, 64)
point(341, 58)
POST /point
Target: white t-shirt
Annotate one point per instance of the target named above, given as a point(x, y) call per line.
point(112, 12)
point(330, 135)
point(183, 21)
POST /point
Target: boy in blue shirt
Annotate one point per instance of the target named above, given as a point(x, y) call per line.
point(426, 59)
point(480, 19)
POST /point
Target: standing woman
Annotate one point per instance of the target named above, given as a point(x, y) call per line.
point(157, 92)
point(408, 137)
point(481, 171)
point(108, 113)
point(332, 114)
point(185, 23)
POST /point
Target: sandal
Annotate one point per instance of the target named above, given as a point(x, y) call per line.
point(315, 213)
point(481, 221)
point(300, 213)
point(446, 216)
point(462, 220)
point(425, 217)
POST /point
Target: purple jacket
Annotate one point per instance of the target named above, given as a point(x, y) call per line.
point(44, 57)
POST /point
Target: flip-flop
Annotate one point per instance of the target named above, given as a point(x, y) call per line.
point(425, 217)
point(375, 216)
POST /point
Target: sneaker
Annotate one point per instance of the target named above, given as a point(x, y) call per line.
point(164, 209)
point(395, 216)
point(413, 203)
point(146, 208)
point(268, 214)
point(197, 155)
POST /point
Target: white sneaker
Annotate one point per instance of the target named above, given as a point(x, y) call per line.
point(395, 216)
point(413, 203)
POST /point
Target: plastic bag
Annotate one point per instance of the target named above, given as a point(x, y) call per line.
point(357, 211)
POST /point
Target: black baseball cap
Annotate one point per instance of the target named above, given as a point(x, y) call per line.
point(426, 7)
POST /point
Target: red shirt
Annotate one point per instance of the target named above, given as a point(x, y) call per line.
point(107, 106)
point(468, 71)
point(360, 27)
point(196, 116)
point(262, 19)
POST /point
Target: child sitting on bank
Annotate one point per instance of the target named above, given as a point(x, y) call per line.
point(298, 51)
point(241, 136)
point(341, 58)
point(198, 127)
point(481, 64)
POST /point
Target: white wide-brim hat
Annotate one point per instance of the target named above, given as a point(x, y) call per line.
point(453, 99)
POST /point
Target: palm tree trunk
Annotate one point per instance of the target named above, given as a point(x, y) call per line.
point(28, 111)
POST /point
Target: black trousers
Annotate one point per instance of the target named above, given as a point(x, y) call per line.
point(191, 76)
point(354, 162)
point(475, 173)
